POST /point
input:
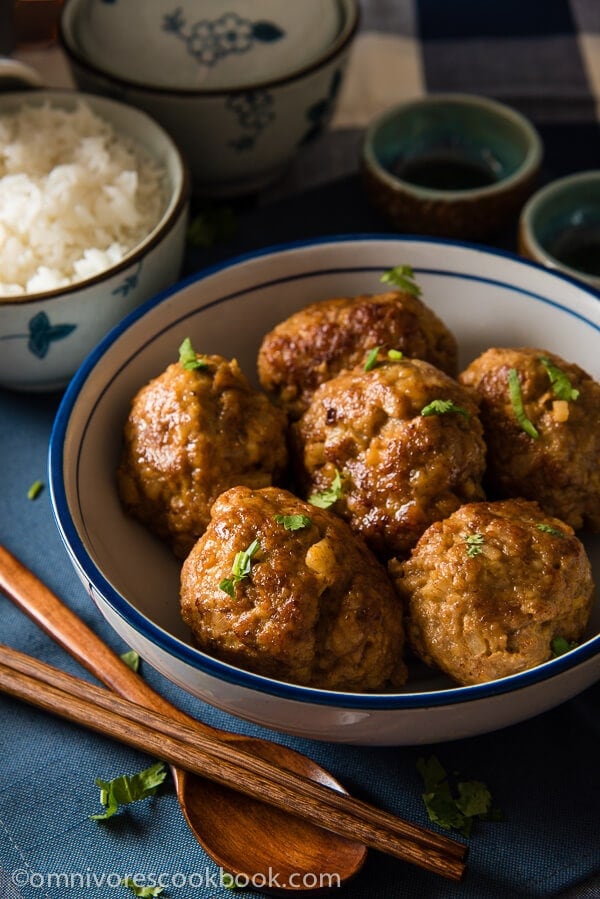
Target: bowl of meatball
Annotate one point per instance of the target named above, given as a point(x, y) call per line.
point(348, 488)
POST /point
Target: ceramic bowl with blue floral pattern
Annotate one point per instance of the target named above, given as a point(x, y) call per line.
point(45, 336)
point(241, 87)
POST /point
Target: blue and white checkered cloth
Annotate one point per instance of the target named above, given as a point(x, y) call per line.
point(542, 57)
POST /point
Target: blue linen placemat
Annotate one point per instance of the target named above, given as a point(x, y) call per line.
point(543, 773)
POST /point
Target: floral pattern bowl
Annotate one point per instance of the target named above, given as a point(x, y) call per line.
point(240, 88)
point(44, 337)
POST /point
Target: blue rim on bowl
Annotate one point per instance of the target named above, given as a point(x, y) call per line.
point(156, 635)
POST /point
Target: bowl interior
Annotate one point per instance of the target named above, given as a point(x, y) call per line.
point(487, 299)
point(564, 220)
point(133, 124)
point(452, 144)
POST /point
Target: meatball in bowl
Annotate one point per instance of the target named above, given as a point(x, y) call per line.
point(316, 343)
point(283, 588)
point(192, 432)
point(489, 590)
point(541, 418)
point(402, 441)
point(486, 299)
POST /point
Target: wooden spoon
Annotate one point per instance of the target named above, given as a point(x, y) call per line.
point(241, 834)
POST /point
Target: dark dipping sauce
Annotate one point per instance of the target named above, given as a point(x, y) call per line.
point(444, 171)
point(579, 248)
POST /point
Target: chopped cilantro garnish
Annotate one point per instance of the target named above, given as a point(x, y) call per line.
point(474, 544)
point(240, 569)
point(560, 646)
point(561, 386)
point(441, 407)
point(212, 224)
point(373, 357)
point(327, 498)
point(402, 276)
point(188, 358)
point(293, 522)
point(35, 490)
point(453, 809)
point(516, 398)
point(131, 659)
point(139, 890)
point(371, 361)
point(128, 788)
point(548, 529)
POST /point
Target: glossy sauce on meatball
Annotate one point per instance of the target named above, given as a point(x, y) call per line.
point(556, 461)
point(190, 435)
point(309, 604)
point(316, 343)
point(403, 462)
point(488, 589)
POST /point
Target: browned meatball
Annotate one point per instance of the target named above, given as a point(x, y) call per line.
point(555, 459)
point(319, 341)
point(489, 588)
point(401, 468)
point(189, 436)
point(310, 604)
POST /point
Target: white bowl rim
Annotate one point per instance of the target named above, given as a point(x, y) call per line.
point(162, 227)
point(209, 665)
point(340, 43)
point(528, 167)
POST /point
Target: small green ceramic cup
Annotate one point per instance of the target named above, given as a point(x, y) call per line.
point(560, 226)
point(452, 165)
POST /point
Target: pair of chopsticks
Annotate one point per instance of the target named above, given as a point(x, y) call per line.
point(79, 701)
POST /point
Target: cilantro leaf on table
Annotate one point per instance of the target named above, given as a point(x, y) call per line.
point(128, 788)
point(211, 224)
point(454, 807)
point(146, 892)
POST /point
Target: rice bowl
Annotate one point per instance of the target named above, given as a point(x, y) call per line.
point(46, 334)
point(75, 196)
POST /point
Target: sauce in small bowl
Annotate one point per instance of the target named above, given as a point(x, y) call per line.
point(453, 165)
point(560, 226)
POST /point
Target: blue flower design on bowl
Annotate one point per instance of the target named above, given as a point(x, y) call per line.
point(130, 282)
point(41, 334)
point(319, 113)
point(209, 41)
point(254, 111)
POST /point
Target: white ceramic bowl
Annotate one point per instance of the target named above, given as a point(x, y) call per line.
point(240, 131)
point(486, 297)
point(44, 337)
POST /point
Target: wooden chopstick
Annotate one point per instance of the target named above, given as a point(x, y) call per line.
point(93, 707)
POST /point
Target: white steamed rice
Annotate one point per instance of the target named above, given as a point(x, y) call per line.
point(75, 197)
